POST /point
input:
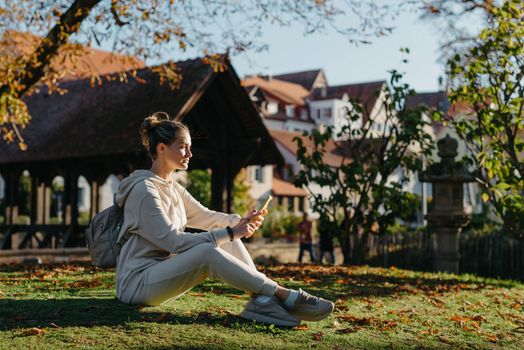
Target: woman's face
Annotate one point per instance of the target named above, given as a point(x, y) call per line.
point(178, 153)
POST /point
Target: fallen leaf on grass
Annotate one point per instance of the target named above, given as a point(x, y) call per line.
point(445, 340)
point(492, 338)
point(236, 296)
point(407, 288)
point(383, 325)
point(34, 331)
point(341, 307)
point(436, 302)
point(82, 284)
point(372, 303)
point(479, 318)
point(53, 325)
point(348, 330)
point(354, 319)
point(428, 323)
point(301, 327)
point(310, 280)
point(159, 318)
point(469, 323)
point(317, 336)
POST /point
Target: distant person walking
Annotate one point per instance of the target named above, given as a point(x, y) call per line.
point(325, 242)
point(306, 240)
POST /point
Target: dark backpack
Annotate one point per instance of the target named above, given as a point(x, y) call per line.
point(102, 236)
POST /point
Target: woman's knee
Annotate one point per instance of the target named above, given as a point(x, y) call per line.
point(209, 252)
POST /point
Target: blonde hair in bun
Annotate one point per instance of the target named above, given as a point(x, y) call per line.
point(159, 128)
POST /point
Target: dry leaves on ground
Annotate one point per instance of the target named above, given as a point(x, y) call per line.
point(156, 318)
point(317, 336)
point(469, 324)
point(382, 325)
point(81, 284)
point(33, 331)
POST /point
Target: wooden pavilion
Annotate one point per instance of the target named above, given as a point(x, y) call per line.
point(93, 132)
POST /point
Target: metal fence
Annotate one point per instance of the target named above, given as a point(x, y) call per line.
point(489, 255)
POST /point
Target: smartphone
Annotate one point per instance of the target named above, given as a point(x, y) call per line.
point(266, 203)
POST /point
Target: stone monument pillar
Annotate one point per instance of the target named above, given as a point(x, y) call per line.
point(447, 217)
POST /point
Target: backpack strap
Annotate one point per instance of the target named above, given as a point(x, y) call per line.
point(120, 243)
point(124, 239)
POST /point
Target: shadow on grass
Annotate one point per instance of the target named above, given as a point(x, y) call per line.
point(92, 312)
point(343, 282)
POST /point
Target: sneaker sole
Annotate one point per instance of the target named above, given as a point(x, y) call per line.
point(308, 317)
point(252, 316)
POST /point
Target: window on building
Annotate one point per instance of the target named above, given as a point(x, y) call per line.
point(303, 113)
point(272, 107)
point(318, 114)
point(259, 174)
point(326, 112)
point(290, 111)
point(301, 204)
point(280, 200)
point(285, 173)
point(291, 203)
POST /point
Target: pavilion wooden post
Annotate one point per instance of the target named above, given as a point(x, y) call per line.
point(95, 195)
point(71, 207)
point(36, 214)
point(44, 214)
point(47, 202)
point(218, 188)
point(11, 207)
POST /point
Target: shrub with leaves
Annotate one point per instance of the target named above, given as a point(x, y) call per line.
point(199, 185)
point(489, 80)
point(362, 197)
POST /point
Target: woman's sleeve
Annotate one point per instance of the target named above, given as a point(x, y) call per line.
point(155, 226)
point(201, 217)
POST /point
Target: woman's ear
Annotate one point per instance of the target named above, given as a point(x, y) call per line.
point(160, 148)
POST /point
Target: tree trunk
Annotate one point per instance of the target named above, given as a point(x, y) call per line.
point(68, 24)
point(343, 237)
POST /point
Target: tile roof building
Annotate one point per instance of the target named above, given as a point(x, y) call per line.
point(92, 132)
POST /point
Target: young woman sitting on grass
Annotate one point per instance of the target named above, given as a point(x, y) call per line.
point(160, 261)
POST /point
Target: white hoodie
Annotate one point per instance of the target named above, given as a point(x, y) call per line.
point(157, 211)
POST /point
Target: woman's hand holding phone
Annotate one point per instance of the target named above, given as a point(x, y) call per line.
point(251, 222)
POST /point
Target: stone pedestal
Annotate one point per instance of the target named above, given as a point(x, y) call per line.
point(447, 218)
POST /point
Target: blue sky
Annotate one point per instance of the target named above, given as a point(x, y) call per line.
point(289, 50)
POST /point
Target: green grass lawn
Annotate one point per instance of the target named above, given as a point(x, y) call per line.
point(74, 306)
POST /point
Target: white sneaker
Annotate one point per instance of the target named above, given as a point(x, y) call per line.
point(269, 312)
point(310, 308)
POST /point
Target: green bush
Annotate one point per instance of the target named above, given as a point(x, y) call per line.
point(83, 218)
point(279, 222)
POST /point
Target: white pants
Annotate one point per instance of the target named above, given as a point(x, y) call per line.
point(230, 263)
